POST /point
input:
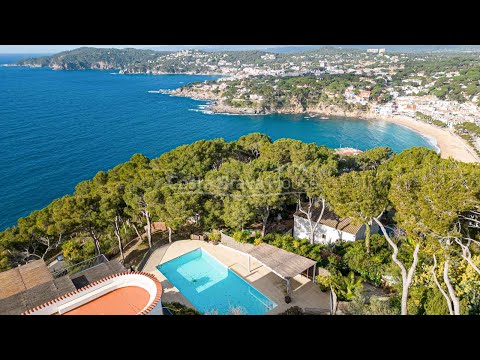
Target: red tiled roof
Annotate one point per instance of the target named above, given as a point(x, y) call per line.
point(144, 312)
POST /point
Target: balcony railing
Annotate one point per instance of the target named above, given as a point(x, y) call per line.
point(83, 265)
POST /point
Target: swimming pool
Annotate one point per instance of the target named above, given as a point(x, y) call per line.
point(212, 287)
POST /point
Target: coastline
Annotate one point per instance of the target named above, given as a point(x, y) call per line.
point(444, 140)
point(449, 143)
point(431, 139)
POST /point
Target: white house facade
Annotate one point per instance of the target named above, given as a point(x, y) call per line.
point(330, 229)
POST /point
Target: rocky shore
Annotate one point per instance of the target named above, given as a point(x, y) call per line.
point(217, 105)
point(448, 143)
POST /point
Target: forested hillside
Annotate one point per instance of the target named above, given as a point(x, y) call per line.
point(94, 58)
point(430, 206)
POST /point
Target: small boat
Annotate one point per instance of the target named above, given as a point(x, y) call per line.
point(323, 117)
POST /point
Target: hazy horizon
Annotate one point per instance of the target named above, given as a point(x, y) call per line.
point(52, 49)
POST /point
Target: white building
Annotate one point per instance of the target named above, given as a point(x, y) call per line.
point(256, 97)
point(330, 229)
point(268, 57)
point(386, 109)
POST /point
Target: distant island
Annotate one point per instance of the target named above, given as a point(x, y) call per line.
point(441, 89)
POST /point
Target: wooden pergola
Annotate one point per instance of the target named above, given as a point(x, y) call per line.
point(283, 263)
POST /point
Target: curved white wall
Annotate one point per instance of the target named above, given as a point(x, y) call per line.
point(82, 296)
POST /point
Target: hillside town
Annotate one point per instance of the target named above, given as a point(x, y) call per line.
point(383, 84)
point(374, 65)
point(444, 86)
point(233, 221)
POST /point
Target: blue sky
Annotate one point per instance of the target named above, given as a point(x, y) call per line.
point(45, 49)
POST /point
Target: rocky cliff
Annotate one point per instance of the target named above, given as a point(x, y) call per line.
point(294, 106)
point(195, 93)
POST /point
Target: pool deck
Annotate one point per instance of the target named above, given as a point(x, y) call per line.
point(305, 294)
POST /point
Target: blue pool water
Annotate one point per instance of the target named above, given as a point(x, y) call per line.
point(209, 285)
point(58, 128)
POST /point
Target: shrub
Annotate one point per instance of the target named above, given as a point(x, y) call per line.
point(324, 282)
point(418, 296)
point(375, 306)
point(180, 309)
point(317, 252)
point(370, 266)
point(258, 241)
point(294, 310)
point(76, 252)
point(72, 251)
point(242, 236)
point(333, 261)
point(346, 286)
point(88, 249)
point(436, 304)
point(108, 246)
point(214, 235)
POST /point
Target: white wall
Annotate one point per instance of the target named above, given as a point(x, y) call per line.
point(88, 294)
point(301, 229)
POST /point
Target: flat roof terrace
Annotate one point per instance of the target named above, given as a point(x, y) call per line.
point(128, 293)
point(128, 300)
point(33, 284)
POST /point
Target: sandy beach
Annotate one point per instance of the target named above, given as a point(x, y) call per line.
point(450, 144)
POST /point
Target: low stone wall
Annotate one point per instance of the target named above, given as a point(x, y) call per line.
point(147, 255)
point(234, 244)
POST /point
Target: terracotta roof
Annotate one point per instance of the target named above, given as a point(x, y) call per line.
point(30, 285)
point(157, 225)
point(332, 220)
point(128, 300)
point(144, 312)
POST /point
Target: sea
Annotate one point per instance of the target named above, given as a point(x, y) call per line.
point(58, 128)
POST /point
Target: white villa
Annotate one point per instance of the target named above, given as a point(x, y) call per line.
point(330, 229)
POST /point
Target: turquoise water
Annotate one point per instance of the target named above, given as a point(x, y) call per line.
point(58, 128)
point(211, 286)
